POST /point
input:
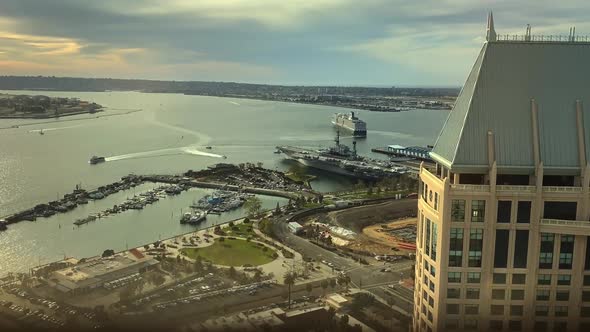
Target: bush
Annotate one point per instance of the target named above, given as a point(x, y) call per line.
point(265, 249)
point(275, 255)
point(246, 220)
point(221, 239)
point(231, 224)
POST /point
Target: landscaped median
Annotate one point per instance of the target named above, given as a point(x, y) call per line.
point(233, 252)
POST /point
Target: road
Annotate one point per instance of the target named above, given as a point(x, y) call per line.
point(367, 277)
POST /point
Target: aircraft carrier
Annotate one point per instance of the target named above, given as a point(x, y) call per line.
point(340, 159)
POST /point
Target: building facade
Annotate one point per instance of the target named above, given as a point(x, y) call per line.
point(503, 217)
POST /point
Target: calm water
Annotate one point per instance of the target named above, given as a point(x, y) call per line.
point(169, 135)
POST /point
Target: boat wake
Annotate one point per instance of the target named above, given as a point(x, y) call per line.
point(51, 129)
point(202, 139)
point(189, 150)
point(235, 103)
point(193, 151)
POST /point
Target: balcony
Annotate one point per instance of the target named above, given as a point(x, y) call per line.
point(562, 189)
point(526, 189)
point(471, 187)
point(559, 226)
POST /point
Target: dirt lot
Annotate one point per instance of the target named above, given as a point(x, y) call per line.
point(360, 218)
point(375, 233)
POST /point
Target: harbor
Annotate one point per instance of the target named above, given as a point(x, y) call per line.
point(245, 180)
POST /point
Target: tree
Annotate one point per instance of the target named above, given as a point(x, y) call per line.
point(370, 191)
point(259, 164)
point(253, 205)
point(232, 272)
point(108, 253)
point(344, 279)
point(146, 247)
point(289, 280)
point(231, 224)
point(308, 287)
point(332, 283)
point(324, 285)
point(246, 220)
point(277, 209)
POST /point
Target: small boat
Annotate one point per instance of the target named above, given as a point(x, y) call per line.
point(277, 152)
point(41, 132)
point(96, 160)
point(208, 147)
point(193, 218)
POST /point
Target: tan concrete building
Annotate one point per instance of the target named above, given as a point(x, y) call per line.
point(503, 217)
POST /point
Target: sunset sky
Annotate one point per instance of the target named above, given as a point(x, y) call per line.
point(343, 42)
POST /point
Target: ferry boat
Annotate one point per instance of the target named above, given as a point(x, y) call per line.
point(96, 160)
point(351, 123)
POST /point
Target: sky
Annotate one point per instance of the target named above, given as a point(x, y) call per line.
point(313, 42)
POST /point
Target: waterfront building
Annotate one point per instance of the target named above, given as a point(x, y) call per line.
point(503, 232)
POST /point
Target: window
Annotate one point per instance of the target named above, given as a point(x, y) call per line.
point(504, 211)
point(561, 326)
point(562, 295)
point(472, 293)
point(545, 260)
point(458, 210)
point(473, 277)
point(424, 294)
point(587, 280)
point(498, 294)
point(434, 239)
point(501, 248)
point(454, 277)
point(521, 248)
point(497, 309)
point(517, 294)
point(452, 324)
point(430, 301)
point(585, 312)
point(565, 260)
point(518, 279)
point(543, 294)
point(499, 278)
point(430, 195)
point(431, 285)
point(452, 309)
point(523, 212)
point(541, 310)
point(456, 247)
point(475, 247)
point(427, 238)
point(515, 325)
point(496, 325)
point(478, 208)
point(433, 271)
point(470, 323)
point(561, 311)
point(560, 210)
point(474, 258)
point(471, 309)
point(540, 326)
point(566, 251)
point(453, 293)
point(564, 279)
point(587, 256)
point(436, 201)
point(544, 279)
point(516, 310)
point(586, 296)
point(430, 316)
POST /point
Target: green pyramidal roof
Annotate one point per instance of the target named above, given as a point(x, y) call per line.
point(497, 97)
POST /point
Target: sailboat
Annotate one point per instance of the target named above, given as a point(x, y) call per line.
point(41, 132)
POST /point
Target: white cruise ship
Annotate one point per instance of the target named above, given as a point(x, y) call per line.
point(351, 123)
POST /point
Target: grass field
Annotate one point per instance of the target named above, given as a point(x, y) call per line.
point(232, 253)
point(241, 230)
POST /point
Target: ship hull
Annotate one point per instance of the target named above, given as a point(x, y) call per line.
point(355, 133)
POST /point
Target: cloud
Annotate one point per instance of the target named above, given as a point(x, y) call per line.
point(269, 41)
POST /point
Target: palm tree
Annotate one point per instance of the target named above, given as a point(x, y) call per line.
point(289, 279)
point(324, 285)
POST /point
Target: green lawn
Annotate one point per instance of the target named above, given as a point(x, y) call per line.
point(242, 230)
point(232, 253)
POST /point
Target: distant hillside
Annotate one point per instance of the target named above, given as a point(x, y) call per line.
point(206, 88)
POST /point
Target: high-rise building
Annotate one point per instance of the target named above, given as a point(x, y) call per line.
point(503, 216)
